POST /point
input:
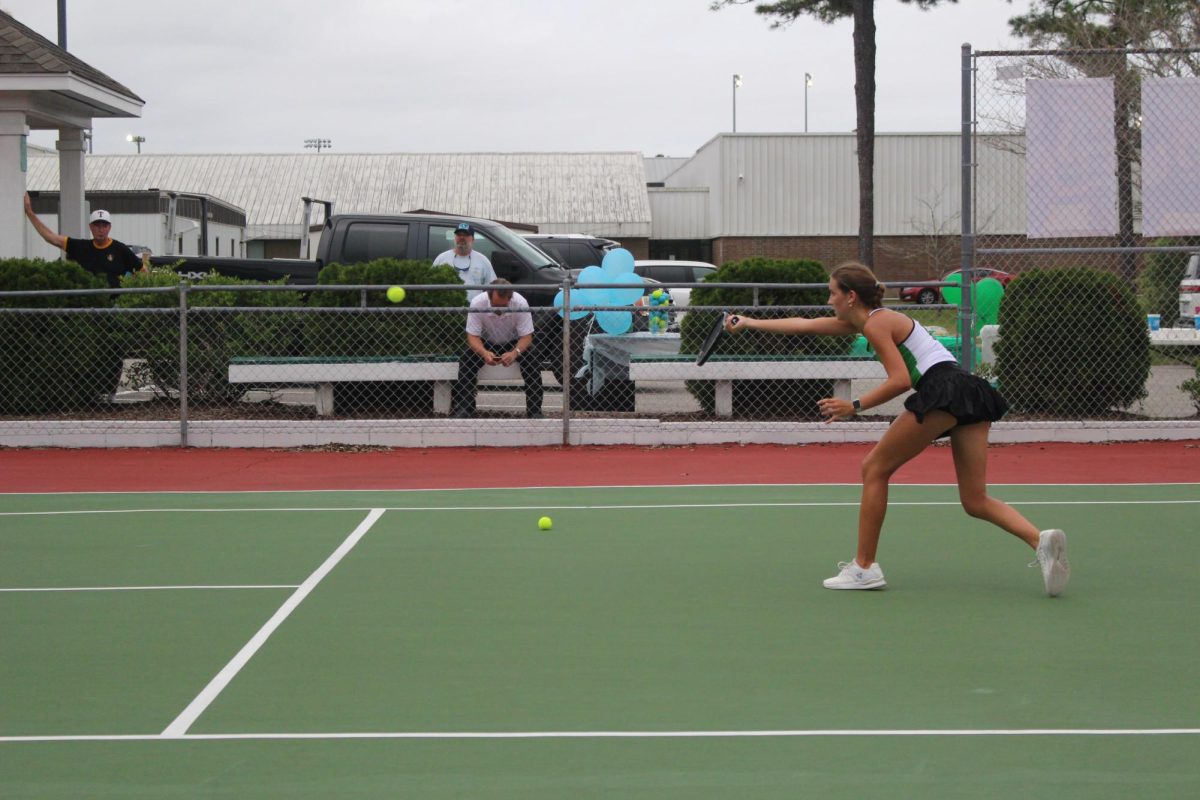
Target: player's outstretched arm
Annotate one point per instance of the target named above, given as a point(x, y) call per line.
point(790, 326)
point(56, 239)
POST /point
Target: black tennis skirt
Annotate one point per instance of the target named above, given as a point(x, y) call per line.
point(948, 387)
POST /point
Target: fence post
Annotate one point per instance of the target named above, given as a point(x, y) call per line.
point(966, 321)
point(566, 363)
point(183, 365)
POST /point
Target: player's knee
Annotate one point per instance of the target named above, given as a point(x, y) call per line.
point(873, 469)
point(975, 504)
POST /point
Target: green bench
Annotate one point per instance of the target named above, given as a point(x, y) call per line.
point(323, 373)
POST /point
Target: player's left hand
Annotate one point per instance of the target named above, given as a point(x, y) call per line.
point(508, 358)
point(834, 408)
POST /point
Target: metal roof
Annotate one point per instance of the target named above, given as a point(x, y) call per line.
point(24, 51)
point(582, 191)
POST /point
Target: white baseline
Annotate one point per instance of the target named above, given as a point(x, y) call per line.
point(816, 733)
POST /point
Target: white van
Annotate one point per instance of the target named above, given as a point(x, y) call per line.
point(1189, 291)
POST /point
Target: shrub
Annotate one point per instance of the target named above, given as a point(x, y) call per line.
point(763, 397)
point(1158, 282)
point(213, 336)
point(355, 333)
point(55, 360)
point(1073, 343)
point(1191, 387)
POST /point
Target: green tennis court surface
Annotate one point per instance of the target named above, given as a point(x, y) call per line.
point(665, 642)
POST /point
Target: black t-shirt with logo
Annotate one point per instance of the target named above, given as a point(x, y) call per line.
point(112, 261)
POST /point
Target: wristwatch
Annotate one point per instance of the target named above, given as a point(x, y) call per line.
point(857, 405)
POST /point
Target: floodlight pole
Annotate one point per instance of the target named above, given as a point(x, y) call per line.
point(62, 24)
point(807, 83)
point(737, 81)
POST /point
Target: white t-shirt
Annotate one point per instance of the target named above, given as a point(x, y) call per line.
point(498, 327)
point(474, 269)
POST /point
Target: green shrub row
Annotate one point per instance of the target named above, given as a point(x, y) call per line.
point(60, 357)
point(66, 359)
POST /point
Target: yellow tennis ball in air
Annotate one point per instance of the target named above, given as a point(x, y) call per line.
point(396, 294)
point(545, 523)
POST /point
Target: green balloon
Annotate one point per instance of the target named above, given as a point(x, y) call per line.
point(953, 294)
point(988, 294)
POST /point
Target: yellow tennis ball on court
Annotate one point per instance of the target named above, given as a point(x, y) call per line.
point(396, 294)
point(545, 523)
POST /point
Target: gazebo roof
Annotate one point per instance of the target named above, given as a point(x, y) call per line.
point(31, 63)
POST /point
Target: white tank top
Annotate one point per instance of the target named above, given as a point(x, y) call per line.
point(920, 351)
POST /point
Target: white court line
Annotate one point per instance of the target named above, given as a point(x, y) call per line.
point(195, 708)
point(138, 588)
point(829, 733)
point(598, 507)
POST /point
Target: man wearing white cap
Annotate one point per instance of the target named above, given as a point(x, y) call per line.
point(100, 254)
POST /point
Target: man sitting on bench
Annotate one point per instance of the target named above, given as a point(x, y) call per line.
point(499, 332)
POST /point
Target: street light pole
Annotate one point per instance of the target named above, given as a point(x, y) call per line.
point(737, 81)
point(318, 144)
point(807, 83)
point(136, 140)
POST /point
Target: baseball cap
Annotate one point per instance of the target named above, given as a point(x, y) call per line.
point(465, 228)
point(100, 215)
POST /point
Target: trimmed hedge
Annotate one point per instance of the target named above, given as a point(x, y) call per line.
point(377, 334)
point(1073, 343)
point(213, 337)
point(54, 362)
point(766, 398)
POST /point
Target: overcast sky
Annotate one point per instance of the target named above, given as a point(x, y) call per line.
point(653, 76)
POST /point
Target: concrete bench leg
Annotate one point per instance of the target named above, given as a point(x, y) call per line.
point(324, 399)
point(724, 398)
point(841, 389)
point(441, 397)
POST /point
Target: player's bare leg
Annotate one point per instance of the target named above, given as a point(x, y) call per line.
point(903, 441)
point(969, 444)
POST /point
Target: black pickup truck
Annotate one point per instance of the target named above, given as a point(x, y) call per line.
point(358, 238)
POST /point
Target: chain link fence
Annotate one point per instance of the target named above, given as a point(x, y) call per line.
point(1082, 194)
point(277, 358)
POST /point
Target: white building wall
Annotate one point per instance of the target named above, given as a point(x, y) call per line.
point(679, 213)
point(807, 185)
point(703, 171)
point(788, 185)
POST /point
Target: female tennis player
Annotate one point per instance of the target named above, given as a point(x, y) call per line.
point(947, 401)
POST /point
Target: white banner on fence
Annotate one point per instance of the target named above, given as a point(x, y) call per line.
point(1071, 169)
point(1170, 157)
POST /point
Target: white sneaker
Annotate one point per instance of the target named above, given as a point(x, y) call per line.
point(1052, 558)
point(852, 576)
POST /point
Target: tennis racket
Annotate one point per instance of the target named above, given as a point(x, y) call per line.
point(715, 334)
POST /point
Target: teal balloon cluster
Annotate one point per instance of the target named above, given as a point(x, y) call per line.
point(617, 267)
